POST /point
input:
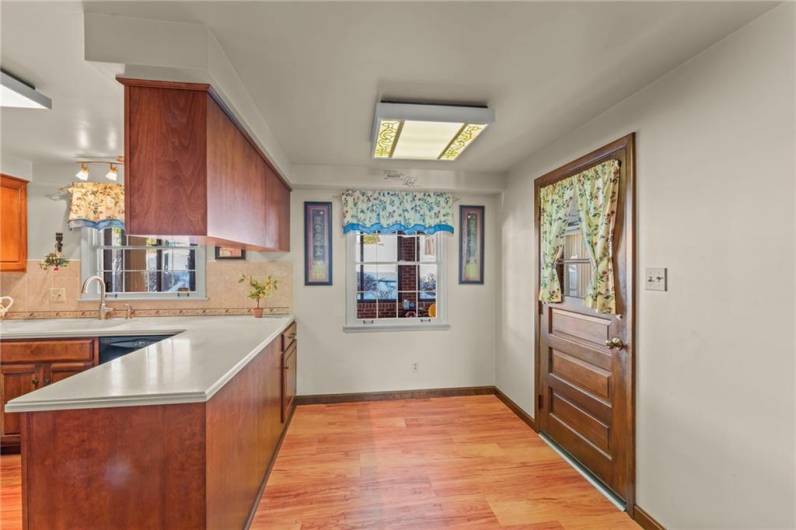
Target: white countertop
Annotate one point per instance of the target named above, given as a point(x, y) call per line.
point(202, 356)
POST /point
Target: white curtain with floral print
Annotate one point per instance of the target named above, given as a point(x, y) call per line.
point(597, 193)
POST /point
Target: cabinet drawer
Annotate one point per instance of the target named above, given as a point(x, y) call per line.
point(288, 336)
point(48, 350)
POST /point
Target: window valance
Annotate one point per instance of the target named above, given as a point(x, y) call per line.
point(397, 211)
point(96, 205)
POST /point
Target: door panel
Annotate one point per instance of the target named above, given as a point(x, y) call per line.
point(16, 380)
point(14, 228)
point(579, 326)
point(288, 380)
point(584, 423)
point(584, 385)
point(581, 374)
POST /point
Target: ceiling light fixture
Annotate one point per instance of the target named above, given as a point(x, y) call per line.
point(112, 174)
point(83, 173)
point(16, 93)
point(414, 131)
point(113, 168)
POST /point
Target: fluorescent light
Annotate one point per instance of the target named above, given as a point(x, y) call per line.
point(112, 174)
point(410, 131)
point(18, 94)
point(465, 136)
point(424, 140)
point(83, 173)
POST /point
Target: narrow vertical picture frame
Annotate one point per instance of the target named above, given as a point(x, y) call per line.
point(471, 245)
point(317, 243)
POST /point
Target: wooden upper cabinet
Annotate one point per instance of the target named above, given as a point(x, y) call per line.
point(13, 224)
point(190, 170)
point(277, 213)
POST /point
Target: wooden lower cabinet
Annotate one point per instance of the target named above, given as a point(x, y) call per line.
point(192, 466)
point(289, 373)
point(16, 380)
point(60, 371)
point(27, 365)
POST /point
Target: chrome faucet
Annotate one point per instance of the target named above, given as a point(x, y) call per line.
point(104, 311)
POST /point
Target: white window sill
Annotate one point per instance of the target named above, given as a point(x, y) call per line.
point(359, 328)
point(110, 299)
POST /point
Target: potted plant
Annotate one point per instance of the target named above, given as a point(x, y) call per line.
point(259, 291)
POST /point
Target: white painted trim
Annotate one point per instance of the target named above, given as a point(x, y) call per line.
point(90, 265)
point(354, 324)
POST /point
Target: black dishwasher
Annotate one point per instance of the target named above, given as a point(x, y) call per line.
point(114, 347)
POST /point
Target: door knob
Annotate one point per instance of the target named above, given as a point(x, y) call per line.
point(615, 342)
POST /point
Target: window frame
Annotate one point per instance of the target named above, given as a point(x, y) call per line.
point(91, 248)
point(354, 324)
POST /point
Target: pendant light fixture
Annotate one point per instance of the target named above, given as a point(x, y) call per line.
point(113, 168)
point(112, 173)
point(83, 173)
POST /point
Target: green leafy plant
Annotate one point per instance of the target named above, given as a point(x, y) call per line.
point(53, 261)
point(259, 290)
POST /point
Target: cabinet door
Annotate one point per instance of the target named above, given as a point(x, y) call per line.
point(277, 222)
point(289, 374)
point(14, 228)
point(60, 371)
point(16, 380)
point(236, 185)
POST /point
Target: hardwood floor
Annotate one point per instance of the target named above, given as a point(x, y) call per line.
point(455, 462)
point(10, 492)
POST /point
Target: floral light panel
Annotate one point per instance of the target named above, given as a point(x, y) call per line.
point(418, 131)
point(424, 140)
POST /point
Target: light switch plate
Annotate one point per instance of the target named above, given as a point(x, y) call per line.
point(655, 279)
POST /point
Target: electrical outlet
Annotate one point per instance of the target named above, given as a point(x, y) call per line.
point(415, 367)
point(58, 295)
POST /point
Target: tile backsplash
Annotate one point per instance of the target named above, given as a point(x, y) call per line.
point(32, 292)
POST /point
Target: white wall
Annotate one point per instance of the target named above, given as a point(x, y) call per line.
point(48, 206)
point(332, 361)
point(15, 166)
point(323, 176)
point(715, 200)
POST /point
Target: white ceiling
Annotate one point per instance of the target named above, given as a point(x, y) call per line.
point(43, 44)
point(316, 70)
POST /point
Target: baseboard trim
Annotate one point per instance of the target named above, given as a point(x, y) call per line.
point(327, 399)
point(516, 409)
point(645, 520)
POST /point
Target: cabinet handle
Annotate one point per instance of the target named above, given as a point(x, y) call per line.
point(35, 381)
point(46, 380)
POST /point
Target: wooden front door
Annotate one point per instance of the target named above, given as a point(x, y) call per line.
point(584, 360)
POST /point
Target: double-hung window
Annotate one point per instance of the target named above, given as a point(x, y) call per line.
point(135, 267)
point(395, 280)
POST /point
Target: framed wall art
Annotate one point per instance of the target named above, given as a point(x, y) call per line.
point(317, 243)
point(230, 253)
point(471, 244)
